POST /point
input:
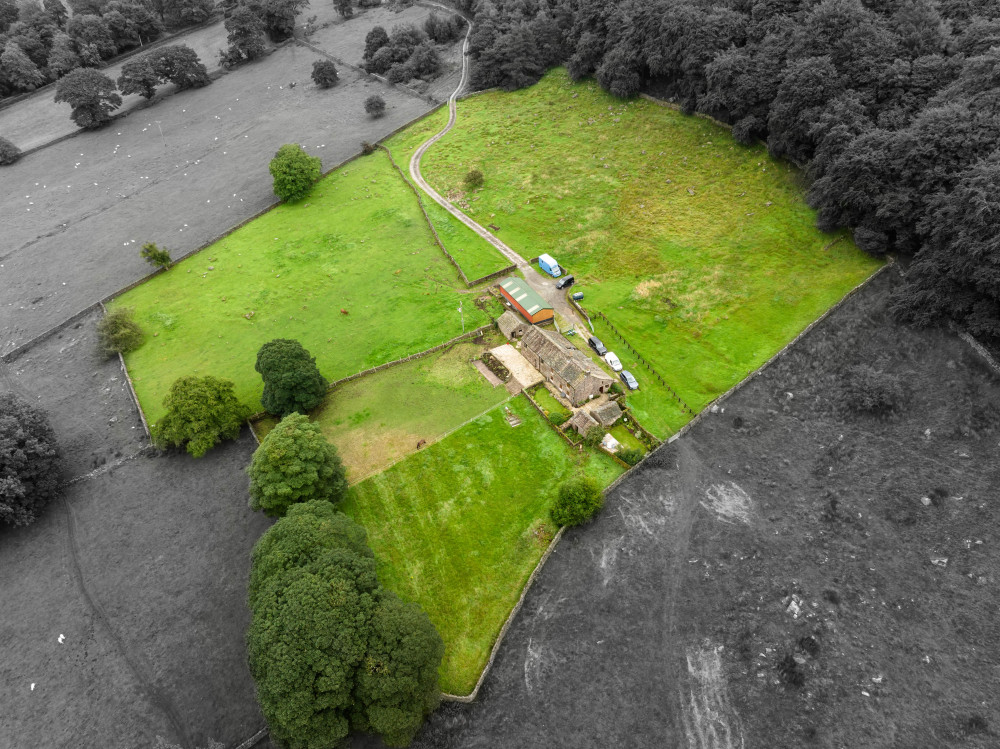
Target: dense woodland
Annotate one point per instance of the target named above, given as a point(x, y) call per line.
point(41, 41)
point(892, 107)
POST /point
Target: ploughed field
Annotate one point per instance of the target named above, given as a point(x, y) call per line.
point(701, 252)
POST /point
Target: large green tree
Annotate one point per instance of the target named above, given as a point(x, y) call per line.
point(92, 95)
point(180, 65)
point(30, 462)
point(577, 501)
point(17, 69)
point(330, 650)
point(201, 412)
point(294, 463)
point(246, 36)
point(292, 381)
point(138, 77)
point(294, 172)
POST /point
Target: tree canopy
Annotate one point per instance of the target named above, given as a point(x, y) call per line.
point(201, 412)
point(294, 172)
point(295, 463)
point(577, 500)
point(330, 650)
point(91, 94)
point(30, 462)
point(887, 105)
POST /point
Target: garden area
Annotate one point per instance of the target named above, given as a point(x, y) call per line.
point(382, 417)
point(701, 251)
point(352, 272)
point(555, 411)
point(459, 526)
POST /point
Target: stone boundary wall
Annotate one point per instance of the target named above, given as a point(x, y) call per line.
point(18, 350)
point(131, 388)
point(411, 357)
point(437, 238)
point(753, 375)
point(420, 202)
point(677, 108)
point(977, 347)
point(471, 697)
point(784, 350)
point(541, 411)
point(364, 73)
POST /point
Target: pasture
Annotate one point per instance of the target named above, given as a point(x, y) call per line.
point(459, 526)
point(382, 417)
point(701, 251)
point(352, 272)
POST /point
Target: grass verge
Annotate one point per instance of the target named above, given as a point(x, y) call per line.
point(459, 526)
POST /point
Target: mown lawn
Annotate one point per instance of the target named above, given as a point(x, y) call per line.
point(459, 526)
point(358, 243)
point(701, 251)
point(548, 402)
point(380, 418)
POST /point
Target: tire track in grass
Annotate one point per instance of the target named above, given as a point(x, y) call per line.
point(140, 670)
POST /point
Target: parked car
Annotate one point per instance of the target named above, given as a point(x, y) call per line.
point(565, 282)
point(595, 343)
point(548, 264)
point(628, 379)
point(613, 361)
point(577, 296)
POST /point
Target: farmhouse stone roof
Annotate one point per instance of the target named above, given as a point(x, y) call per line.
point(571, 364)
point(607, 414)
point(508, 322)
point(582, 422)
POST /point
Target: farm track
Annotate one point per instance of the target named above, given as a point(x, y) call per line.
point(547, 289)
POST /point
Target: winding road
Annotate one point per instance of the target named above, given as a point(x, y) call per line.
point(543, 285)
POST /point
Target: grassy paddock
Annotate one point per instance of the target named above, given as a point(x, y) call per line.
point(476, 256)
point(357, 243)
point(703, 252)
point(380, 418)
point(459, 526)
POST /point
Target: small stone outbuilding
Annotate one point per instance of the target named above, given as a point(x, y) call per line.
point(582, 422)
point(564, 365)
point(607, 414)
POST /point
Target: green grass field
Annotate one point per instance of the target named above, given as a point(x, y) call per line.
point(380, 418)
point(476, 256)
point(358, 243)
point(703, 252)
point(458, 527)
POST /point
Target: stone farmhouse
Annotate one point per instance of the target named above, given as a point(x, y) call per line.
point(565, 366)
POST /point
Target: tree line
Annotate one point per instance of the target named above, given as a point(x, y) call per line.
point(892, 108)
point(41, 42)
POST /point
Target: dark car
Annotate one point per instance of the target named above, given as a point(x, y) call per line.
point(628, 379)
point(565, 282)
point(577, 296)
point(595, 343)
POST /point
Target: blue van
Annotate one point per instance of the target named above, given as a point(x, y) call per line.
point(548, 264)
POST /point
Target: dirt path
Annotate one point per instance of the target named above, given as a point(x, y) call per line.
point(538, 282)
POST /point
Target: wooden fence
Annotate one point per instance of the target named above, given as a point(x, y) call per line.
point(644, 362)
